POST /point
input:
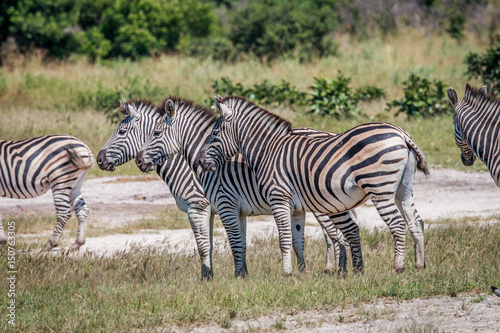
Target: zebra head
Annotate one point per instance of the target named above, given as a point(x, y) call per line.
point(162, 144)
point(220, 146)
point(467, 155)
point(129, 135)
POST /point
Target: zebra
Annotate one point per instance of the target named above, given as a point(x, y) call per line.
point(374, 161)
point(29, 168)
point(123, 145)
point(477, 128)
point(232, 188)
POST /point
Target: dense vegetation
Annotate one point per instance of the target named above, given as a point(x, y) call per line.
point(226, 29)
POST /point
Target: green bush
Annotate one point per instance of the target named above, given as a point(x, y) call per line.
point(333, 97)
point(422, 98)
point(106, 28)
point(486, 67)
point(269, 29)
point(369, 93)
point(263, 93)
point(327, 96)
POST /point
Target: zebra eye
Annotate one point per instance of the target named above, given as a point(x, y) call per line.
point(122, 131)
point(215, 132)
point(156, 134)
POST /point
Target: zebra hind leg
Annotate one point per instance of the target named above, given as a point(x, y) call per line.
point(336, 260)
point(346, 223)
point(298, 221)
point(81, 209)
point(389, 212)
point(404, 201)
point(63, 210)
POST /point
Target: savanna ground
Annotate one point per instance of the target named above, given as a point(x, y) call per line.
point(149, 277)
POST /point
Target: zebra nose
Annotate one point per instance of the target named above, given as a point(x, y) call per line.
point(101, 158)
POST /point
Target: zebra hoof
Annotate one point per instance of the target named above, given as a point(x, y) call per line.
point(48, 247)
point(358, 270)
point(206, 273)
point(420, 267)
point(3, 241)
point(400, 271)
point(75, 247)
point(241, 274)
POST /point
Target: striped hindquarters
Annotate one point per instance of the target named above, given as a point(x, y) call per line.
point(28, 168)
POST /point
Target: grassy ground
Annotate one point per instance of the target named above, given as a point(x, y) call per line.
point(64, 97)
point(151, 288)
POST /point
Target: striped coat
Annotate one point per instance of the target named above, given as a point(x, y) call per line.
point(186, 188)
point(477, 128)
point(232, 188)
point(329, 175)
point(29, 168)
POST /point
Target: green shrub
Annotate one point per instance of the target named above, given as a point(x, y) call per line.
point(369, 93)
point(263, 93)
point(421, 98)
point(269, 29)
point(333, 97)
point(327, 96)
point(486, 67)
point(106, 28)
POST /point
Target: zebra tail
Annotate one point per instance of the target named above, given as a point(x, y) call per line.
point(81, 157)
point(421, 164)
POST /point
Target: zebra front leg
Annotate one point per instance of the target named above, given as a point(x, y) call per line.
point(230, 220)
point(63, 210)
point(346, 223)
point(243, 233)
point(298, 226)
point(389, 212)
point(201, 218)
point(282, 213)
point(3, 238)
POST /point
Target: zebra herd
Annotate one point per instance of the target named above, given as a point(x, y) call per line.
point(250, 161)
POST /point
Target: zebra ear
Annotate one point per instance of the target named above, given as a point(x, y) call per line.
point(225, 112)
point(452, 97)
point(483, 91)
point(169, 109)
point(129, 110)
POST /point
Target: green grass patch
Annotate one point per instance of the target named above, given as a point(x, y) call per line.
point(150, 288)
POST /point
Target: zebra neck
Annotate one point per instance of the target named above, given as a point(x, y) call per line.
point(194, 134)
point(258, 143)
point(481, 131)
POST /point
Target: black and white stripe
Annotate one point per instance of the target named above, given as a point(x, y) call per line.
point(477, 128)
point(29, 168)
point(324, 175)
point(233, 188)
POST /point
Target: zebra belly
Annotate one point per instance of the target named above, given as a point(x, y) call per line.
point(327, 203)
point(18, 188)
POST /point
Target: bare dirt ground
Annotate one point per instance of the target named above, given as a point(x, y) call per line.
point(115, 201)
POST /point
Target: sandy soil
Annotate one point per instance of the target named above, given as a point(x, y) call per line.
point(444, 194)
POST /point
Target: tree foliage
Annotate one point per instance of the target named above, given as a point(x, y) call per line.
point(486, 67)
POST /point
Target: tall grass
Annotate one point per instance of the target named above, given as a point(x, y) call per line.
point(46, 97)
point(149, 287)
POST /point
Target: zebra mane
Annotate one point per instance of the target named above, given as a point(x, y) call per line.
point(140, 104)
point(185, 105)
point(473, 96)
point(249, 105)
